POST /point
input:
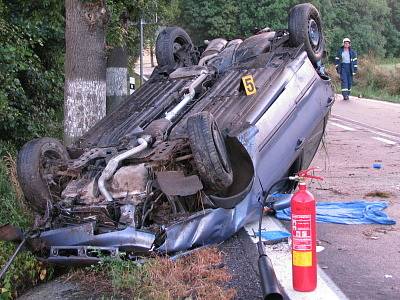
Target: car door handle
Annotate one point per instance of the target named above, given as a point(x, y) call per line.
point(300, 144)
point(331, 100)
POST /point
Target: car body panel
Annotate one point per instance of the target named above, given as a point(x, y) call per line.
point(268, 134)
point(272, 135)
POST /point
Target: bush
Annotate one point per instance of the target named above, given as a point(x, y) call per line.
point(373, 80)
point(26, 270)
point(31, 74)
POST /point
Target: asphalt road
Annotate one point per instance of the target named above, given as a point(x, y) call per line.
point(363, 260)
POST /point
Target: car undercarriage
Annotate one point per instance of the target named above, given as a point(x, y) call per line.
point(185, 160)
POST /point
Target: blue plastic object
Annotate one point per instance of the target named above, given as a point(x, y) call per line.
point(377, 165)
point(273, 235)
point(355, 212)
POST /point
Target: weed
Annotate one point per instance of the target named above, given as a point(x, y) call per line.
point(373, 80)
point(200, 275)
point(378, 194)
point(25, 270)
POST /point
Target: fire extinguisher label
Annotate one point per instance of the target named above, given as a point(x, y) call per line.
point(301, 232)
point(302, 258)
point(301, 240)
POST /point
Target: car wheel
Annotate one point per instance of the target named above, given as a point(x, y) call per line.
point(37, 163)
point(174, 48)
point(209, 151)
point(305, 27)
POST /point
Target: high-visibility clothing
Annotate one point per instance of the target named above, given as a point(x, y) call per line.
point(353, 61)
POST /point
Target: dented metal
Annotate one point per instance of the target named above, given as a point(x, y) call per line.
point(134, 183)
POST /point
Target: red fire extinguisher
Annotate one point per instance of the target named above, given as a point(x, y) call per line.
point(303, 227)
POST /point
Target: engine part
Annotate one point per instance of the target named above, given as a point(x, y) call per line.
point(128, 214)
point(130, 182)
point(112, 165)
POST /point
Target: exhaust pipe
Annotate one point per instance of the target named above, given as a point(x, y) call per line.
point(269, 282)
point(113, 164)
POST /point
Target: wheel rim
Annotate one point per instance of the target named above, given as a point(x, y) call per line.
point(221, 149)
point(313, 33)
point(179, 51)
point(177, 46)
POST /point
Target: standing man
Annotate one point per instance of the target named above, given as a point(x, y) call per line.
point(346, 66)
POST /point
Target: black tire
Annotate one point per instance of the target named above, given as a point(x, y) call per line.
point(174, 48)
point(36, 161)
point(209, 151)
point(305, 27)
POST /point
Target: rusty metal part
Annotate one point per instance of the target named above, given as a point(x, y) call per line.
point(130, 182)
point(184, 157)
point(165, 150)
point(175, 183)
point(93, 153)
point(128, 213)
point(214, 46)
point(158, 127)
point(191, 71)
point(98, 213)
point(145, 212)
point(10, 233)
point(113, 164)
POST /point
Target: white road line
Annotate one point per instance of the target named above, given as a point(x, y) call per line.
point(281, 259)
point(342, 126)
point(365, 126)
point(386, 141)
point(383, 134)
point(381, 102)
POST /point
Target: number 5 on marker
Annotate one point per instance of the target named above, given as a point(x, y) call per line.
point(249, 86)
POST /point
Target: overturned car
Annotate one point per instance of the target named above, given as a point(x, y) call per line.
point(184, 161)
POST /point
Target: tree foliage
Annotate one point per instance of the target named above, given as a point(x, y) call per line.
point(32, 49)
point(372, 25)
point(31, 72)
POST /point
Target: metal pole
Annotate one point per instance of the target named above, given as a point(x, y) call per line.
point(141, 51)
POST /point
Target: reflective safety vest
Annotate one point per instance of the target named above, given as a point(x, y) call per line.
point(353, 60)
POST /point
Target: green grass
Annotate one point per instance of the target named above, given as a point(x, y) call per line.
point(200, 275)
point(26, 270)
point(376, 79)
point(390, 67)
point(373, 93)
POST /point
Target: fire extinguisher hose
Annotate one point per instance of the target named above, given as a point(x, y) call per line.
point(269, 283)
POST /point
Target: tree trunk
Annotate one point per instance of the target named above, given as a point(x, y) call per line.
point(85, 67)
point(117, 78)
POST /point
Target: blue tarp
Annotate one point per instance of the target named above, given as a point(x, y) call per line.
point(355, 212)
point(272, 235)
